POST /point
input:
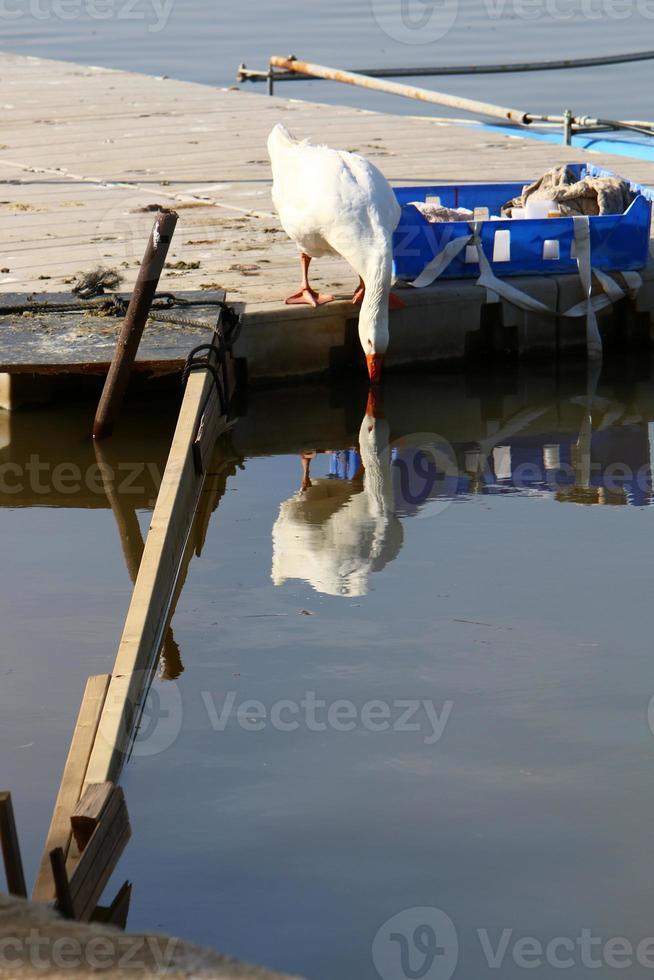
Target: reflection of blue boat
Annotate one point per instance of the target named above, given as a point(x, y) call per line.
point(344, 464)
point(613, 467)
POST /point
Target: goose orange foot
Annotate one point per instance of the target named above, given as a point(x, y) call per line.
point(394, 301)
point(308, 297)
point(359, 293)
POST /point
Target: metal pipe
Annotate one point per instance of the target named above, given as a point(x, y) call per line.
point(251, 74)
point(591, 124)
point(567, 127)
point(407, 91)
point(134, 323)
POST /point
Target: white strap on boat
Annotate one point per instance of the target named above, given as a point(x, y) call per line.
point(633, 281)
point(588, 307)
point(582, 238)
point(489, 280)
point(433, 269)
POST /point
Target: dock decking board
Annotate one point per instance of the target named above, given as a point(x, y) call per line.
point(83, 149)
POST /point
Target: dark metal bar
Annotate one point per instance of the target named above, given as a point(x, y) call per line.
point(62, 885)
point(134, 324)
point(11, 848)
point(567, 127)
point(245, 74)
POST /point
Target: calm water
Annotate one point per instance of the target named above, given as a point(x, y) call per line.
point(421, 682)
point(204, 41)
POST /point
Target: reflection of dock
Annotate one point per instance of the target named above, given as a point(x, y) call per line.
point(66, 211)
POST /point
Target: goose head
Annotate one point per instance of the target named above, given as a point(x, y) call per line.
point(373, 316)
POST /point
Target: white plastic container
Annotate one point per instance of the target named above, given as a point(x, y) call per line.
point(539, 209)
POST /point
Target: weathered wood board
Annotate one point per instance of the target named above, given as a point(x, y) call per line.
point(49, 341)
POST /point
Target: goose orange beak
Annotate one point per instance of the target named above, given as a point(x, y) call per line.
point(374, 406)
point(375, 362)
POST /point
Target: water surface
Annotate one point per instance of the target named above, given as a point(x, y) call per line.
point(475, 548)
point(204, 42)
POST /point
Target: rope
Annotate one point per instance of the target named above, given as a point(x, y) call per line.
point(112, 305)
point(199, 359)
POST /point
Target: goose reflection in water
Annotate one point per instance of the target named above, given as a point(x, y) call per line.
point(338, 529)
point(335, 532)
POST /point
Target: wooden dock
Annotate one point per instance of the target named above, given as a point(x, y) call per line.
point(86, 154)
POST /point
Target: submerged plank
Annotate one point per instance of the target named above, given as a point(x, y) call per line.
point(70, 789)
point(149, 609)
point(103, 811)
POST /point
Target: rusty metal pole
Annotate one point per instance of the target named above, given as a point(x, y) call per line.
point(408, 91)
point(134, 324)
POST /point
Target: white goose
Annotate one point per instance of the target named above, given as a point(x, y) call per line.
point(333, 534)
point(331, 202)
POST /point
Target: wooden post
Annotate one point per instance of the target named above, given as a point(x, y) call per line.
point(11, 848)
point(115, 914)
point(61, 884)
point(135, 320)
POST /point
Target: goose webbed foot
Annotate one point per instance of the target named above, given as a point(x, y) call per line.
point(306, 470)
point(308, 297)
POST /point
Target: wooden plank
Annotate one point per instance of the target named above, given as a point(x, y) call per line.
point(87, 814)
point(61, 883)
point(87, 343)
point(104, 848)
point(70, 789)
point(11, 848)
point(149, 609)
point(117, 913)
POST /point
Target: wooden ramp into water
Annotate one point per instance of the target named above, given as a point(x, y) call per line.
point(86, 153)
